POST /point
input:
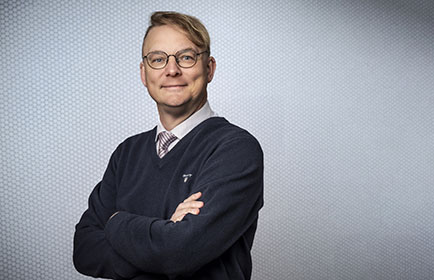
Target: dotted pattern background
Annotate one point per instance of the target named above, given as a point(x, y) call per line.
point(339, 93)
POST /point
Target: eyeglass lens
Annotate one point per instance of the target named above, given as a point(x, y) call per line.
point(185, 59)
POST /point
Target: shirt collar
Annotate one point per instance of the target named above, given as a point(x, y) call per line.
point(191, 122)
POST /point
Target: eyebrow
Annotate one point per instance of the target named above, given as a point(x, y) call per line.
point(187, 49)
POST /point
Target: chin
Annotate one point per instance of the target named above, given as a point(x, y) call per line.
point(175, 103)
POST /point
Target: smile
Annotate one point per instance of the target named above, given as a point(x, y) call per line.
point(173, 87)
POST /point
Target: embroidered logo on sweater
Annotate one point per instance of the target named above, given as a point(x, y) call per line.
point(186, 177)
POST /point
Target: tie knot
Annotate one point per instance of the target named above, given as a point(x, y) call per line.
point(165, 138)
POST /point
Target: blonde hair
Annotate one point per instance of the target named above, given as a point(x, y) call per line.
point(194, 29)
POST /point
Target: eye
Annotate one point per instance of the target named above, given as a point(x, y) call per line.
point(186, 57)
point(157, 60)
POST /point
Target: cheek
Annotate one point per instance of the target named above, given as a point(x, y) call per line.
point(199, 83)
point(151, 81)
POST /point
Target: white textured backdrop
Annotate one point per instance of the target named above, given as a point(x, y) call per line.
point(339, 93)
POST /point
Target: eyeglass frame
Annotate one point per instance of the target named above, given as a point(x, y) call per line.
point(174, 56)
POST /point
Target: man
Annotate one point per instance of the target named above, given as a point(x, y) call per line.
point(180, 201)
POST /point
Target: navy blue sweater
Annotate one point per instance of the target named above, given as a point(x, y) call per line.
point(219, 159)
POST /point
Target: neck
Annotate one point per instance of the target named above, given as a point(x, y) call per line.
point(170, 117)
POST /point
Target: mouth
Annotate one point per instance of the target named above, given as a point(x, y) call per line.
point(176, 86)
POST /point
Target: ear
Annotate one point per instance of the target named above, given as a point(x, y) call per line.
point(211, 68)
point(142, 73)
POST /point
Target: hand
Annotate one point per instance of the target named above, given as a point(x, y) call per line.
point(190, 205)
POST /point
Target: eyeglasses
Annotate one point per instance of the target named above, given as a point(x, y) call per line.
point(184, 58)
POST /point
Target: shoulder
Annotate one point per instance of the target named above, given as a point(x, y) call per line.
point(223, 130)
point(136, 142)
point(220, 133)
point(141, 137)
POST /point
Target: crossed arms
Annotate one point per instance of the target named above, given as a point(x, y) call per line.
point(189, 206)
point(127, 244)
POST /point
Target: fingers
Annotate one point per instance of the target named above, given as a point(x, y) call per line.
point(179, 215)
point(188, 206)
point(194, 196)
point(184, 208)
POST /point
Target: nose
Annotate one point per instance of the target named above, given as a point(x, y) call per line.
point(172, 68)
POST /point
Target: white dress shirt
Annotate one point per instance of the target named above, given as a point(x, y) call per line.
point(187, 125)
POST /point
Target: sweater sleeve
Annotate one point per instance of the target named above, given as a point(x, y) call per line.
point(93, 255)
point(231, 182)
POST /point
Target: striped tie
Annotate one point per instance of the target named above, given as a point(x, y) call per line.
point(165, 138)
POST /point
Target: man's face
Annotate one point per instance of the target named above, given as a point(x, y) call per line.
point(173, 88)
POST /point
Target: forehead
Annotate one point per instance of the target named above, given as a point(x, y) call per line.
point(167, 38)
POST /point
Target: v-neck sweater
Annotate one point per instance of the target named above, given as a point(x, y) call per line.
point(217, 158)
